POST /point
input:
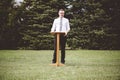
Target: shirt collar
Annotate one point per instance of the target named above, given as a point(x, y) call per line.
point(60, 17)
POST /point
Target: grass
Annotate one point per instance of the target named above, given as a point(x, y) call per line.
point(80, 65)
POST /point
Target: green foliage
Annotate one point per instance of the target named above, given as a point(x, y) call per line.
point(8, 31)
point(94, 24)
point(37, 22)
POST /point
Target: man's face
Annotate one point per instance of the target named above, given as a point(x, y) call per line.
point(61, 13)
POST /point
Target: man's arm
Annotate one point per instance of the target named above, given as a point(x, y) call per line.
point(53, 27)
point(67, 27)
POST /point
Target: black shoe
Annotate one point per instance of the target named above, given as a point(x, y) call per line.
point(53, 62)
point(63, 62)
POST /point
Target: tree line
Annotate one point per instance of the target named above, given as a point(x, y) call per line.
point(94, 24)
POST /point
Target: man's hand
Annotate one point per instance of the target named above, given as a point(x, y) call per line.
point(52, 32)
point(66, 33)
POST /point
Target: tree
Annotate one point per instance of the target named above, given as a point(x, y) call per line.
point(7, 37)
point(37, 21)
point(88, 25)
point(94, 23)
point(112, 9)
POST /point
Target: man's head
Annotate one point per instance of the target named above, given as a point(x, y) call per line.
point(61, 13)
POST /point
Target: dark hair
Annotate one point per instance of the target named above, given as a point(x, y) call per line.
point(61, 9)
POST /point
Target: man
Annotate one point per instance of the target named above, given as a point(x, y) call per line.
point(60, 24)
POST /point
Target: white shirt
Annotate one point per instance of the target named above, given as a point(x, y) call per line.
point(56, 25)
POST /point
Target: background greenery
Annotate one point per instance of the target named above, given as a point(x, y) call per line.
point(94, 24)
point(80, 65)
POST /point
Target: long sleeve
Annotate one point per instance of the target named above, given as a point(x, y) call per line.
point(68, 26)
point(53, 27)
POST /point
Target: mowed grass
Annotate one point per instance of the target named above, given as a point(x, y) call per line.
point(80, 65)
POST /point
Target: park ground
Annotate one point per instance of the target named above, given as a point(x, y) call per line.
point(80, 65)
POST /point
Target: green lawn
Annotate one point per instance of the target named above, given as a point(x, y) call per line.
point(80, 65)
